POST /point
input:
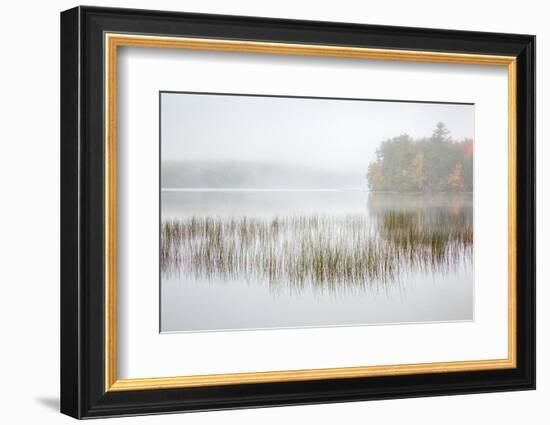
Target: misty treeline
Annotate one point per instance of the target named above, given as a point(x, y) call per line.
point(232, 174)
point(431, 164)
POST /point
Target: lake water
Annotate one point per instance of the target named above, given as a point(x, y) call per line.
point(238, 259)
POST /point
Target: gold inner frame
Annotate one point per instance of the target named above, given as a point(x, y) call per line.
point(113, 41)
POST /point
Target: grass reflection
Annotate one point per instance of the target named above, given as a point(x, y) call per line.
point(331, 252)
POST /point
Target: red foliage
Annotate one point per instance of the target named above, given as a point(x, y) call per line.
point(468, 148)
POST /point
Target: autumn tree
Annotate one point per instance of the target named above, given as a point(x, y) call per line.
point(432, 164)
point(455, 178)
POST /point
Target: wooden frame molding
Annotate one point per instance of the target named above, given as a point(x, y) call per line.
point(114, 40)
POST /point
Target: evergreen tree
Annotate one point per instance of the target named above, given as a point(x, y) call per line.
point(441, 133)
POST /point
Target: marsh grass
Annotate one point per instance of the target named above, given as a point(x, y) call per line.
point(324, 252)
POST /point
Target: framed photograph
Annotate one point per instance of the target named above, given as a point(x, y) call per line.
point(260, 212)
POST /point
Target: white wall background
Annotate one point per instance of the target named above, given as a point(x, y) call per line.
point(29, 213)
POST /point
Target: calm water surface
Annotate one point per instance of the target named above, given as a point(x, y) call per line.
point(276, 259)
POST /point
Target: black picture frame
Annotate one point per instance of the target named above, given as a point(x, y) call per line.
point(83, 392)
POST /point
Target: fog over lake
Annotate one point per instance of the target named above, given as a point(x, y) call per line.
point(314, 134)
point(270, 217)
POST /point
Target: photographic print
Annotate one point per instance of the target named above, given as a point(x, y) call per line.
point(364, 194)
point(292, 212)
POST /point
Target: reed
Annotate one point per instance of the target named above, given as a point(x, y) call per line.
point(325, 252)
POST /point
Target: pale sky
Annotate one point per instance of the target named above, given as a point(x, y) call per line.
point(316, 133)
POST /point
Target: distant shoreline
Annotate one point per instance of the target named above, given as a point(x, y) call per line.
point(245, 189)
